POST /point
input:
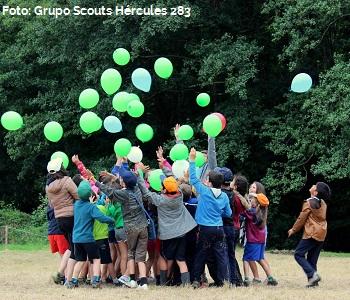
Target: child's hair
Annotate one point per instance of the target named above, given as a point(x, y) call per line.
point(242, 184)
point(186, 191)
point(77, 178)
point(58, 175)
point(110, 181)
point(323, 191)
point(261, 216)
point(260, 189)
point(216, 179)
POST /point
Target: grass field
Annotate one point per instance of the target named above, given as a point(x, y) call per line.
point(25, 274)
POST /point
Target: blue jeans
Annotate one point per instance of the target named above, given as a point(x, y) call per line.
point(313, 249)
point(211, 238)
point(232, 236)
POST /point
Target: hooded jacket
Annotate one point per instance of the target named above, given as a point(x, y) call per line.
point(61, 194)
point(313, 219)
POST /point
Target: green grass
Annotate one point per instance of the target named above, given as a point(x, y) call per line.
point(25, 247)
point(335, 254)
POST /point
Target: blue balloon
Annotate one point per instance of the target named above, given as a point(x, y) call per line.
point(112, 124)
point(141, 79)
point(301, 83)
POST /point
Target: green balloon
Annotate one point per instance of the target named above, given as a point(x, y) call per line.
point(200, 159)
point(212, 125)
point(203, 99)
point(120, 101)
point(111, 81)
point(62, 155)
point(121, 56)
point(163, 67)
point(154, 179)
point(122, 147)
point(90, 122)
point(144, 132)
point(185, 132)
point(133, 96)
point(178, 152)
point(88, 98)
point(11, 120)
point(135, 109)
point(53, 131)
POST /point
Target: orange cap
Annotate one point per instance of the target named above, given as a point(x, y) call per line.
point(262, 199)
point(170, 184)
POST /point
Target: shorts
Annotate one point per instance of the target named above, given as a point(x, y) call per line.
point(104, 250)
point(111, 237)
point(66, 224)
point(174, 249)
point(58, 243)
point(153, 246)
point(137, 244)
point(84, 251)
point(120, 234)
point(253, 252)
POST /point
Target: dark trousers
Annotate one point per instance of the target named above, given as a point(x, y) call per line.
point(311, 248)
point(211, 238)
point(232, 237)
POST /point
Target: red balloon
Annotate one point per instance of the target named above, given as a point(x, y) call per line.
point(223, 120)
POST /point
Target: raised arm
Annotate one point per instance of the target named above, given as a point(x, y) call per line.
point(193, 178)
point(212, 162)
point(154, 198)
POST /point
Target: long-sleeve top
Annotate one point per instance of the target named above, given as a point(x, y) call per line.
point(82, 170)
point(213, 204)
point(211, 163)
point(173, 218)
point(84, 215)
point(100, 230)
point(52, 227)
point(240, 204)
point(254, 233)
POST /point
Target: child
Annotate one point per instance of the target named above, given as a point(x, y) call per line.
point(254, 249)
point(313, 219)
point(213, 204)
point(174, 222)
point(84, 243)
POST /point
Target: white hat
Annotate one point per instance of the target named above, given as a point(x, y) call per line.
point(54, 165)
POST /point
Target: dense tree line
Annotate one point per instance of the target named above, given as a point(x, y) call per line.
point(243, 53)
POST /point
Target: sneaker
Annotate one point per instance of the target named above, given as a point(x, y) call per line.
point(143, 287)
point(256, 281)
point(123, 279)
point(312, 285)
point(109, 279)
point(195, 284)
point(128, 282)
point(247, 282)
point(70, 285)
point(314, 279)
point(272, 281)
point(81, 280)
point(88, 281)
point(96, 284)
point(58, 278)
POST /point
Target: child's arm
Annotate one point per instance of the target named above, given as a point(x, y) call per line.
point(99, 216)
point(154, 198)
point(72, 189)
point(300, 222)
point(243, 200)
point(227, 211)
point(193, 178)
point(82, 169)
point(212, 161)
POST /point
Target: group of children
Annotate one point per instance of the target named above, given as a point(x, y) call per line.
point(116, 229)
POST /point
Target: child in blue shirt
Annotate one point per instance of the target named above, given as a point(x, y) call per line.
point(213, 205)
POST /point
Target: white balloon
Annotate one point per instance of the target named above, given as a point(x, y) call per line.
point(179, 167)
point(135, 155)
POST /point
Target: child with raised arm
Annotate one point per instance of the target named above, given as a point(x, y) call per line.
point(313, 220)
point(213, 204)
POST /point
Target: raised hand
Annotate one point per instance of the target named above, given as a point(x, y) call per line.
point(75, 158)
point(176, 130)
point(192, 154)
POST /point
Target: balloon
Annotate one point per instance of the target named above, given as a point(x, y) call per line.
point(141, 79)
point(185, 132)
point(203, 99)
point(120, 101)
point(11, 120)
point(179, 167)
point(121, 56)
point(135, 109)
point(178, 152)
point(144, 132)
point(53, 131)
point(112, 124)
point(212, 125)
point(62, 155)
point(111, 81)
point(88, 98)
point(154, 179)
point(133, 96)
point(122, 147)
point(90, 122)
point(223, 120)
point(301, 83)
point(163, 67)
point(200, 159)
point(135, 155)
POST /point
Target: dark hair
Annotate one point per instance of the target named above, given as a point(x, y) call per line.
point(186, 191)
point(323, 191)
point(260, 189)
point(242, 184)
point(261, 216)
point(77, 178)
point(58, 175)
point(216, 179)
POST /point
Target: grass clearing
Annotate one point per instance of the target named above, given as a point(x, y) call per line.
point(26, 275)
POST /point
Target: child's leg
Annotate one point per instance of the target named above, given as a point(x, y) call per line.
point(64, 261)
point(246, 269)
point(85, 270)
point(220, 252)
point(313, 255)
point(304, 246)
point(265, 265)
point(103, 271)
point(201, 254)
point(123, 250)
point(70, 268)
point(111, 270)
point(117, 262)
point(254, 268)
point(163, 267)
point(77, 268)
point(96, 267)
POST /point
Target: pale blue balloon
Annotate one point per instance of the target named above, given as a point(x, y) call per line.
point(112, 124)
point(141, 79)
point(301, 83)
